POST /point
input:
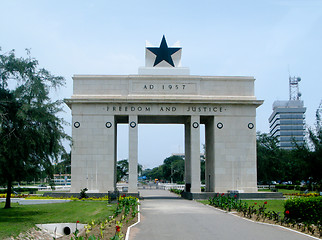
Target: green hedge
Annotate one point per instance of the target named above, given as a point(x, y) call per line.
point(291, 187)
point(307, 210)
point(19, 190)
point(284, 186)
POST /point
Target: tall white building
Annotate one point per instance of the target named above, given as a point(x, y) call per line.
point(287, 123)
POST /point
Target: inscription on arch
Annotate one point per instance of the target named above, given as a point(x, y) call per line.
point(164, 88)
point(188, 109)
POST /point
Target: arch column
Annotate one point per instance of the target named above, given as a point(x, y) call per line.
point(93, 153)
point(133, 154)
point(210, 154)
point(192, 154)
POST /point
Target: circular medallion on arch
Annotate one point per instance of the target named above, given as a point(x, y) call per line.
point(108, 124)
point(220, 125)
point(133, 124)
point(250, 125)
point(76, 124)
point(195, 125)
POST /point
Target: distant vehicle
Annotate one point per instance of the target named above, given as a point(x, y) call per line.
point(287, 183)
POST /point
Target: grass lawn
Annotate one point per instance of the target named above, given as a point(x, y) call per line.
point(281, 190)
point(20, 218)
point(272, 205)
point(264, 190)
point(203, 201)
point(288, 191)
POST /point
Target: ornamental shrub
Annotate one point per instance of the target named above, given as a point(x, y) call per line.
point(82, 193)
point(176, 191)
point(308, 210)
point(225, 202)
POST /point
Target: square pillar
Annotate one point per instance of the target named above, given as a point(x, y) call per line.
point(133, 154)
point(210, 154)
point(187, 146)
point(93, 153)
point(115, 154)
point(235, 154)
point(192, 154)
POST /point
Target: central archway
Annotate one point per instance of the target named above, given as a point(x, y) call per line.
point(164, 92)
point(192, 145)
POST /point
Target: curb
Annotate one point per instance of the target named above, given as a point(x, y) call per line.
point(268, 224)
point(129, 228)
point(275, 225)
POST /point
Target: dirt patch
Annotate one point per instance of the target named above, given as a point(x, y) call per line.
point(32, 234)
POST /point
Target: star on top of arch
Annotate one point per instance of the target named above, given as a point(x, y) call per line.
point(163, 53)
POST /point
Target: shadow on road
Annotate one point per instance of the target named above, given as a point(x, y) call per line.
point(160, 197)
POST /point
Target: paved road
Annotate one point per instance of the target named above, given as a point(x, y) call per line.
point(165, 216)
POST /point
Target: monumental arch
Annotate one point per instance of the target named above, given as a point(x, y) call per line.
point(165, 92)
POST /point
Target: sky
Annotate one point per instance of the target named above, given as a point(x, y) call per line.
point(270, 40)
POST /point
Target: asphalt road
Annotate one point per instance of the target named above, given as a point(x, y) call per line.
point(165, 216)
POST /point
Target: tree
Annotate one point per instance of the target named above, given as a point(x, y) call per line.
point(314, 157)
point(173, 168)
point(296, 165)
point(154, 173)
point(269, 164)
point(202, 170)
point(31, 134)
point(64, 166)
point(122, 169)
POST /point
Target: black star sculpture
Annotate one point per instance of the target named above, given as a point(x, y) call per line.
point(163, 53)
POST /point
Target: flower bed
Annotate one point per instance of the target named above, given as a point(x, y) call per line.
point(115, 227)
point(303, 194)
point(15, 195)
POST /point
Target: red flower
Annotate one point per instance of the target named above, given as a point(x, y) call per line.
point(255, 203)
point(265, 202)
point(118, 228)
point(235, 196)
point(222, 194)
point(287, 212)
point(123, 195)
point(77, 222)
